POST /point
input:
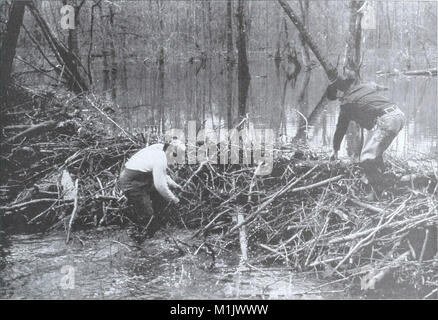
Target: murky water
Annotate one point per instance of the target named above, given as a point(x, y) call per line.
point(104, 265)
point(273, 102)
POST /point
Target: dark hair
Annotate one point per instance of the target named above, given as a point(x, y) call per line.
point(342, 84)
point(166, 145)
point(332, 90)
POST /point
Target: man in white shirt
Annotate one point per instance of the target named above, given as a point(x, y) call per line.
point(142, 175)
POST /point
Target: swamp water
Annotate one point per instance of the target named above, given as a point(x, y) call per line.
point(104, 264)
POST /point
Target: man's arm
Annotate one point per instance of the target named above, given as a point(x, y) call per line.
point(172, 183)
point(341, 129)
point(160, 182)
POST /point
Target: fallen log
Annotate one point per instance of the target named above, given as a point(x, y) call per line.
point(428, 72)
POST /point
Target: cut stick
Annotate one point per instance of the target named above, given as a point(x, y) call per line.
point(34, 131)
point(367, 206)
point(29, 203)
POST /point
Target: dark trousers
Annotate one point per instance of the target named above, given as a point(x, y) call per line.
point(139, 190)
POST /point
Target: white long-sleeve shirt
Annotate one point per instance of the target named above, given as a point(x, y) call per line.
point(153, 159)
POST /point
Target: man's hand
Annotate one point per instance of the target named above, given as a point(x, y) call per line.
point(175, 201)
point(334, 156)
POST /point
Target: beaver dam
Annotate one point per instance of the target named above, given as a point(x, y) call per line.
point(59, 173)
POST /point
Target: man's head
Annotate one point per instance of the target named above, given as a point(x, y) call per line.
point(174, 147)
point(341, 83)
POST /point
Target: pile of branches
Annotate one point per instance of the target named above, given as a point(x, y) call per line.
point(308, 214)
point(312, 214)
point(56, 145)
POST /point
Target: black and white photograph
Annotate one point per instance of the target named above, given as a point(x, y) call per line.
point(218, 150)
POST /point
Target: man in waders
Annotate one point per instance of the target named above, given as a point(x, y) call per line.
point(143, 180)
point(362, 104)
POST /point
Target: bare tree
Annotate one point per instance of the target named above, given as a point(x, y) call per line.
point(229, 23)
point(8, 47)
point(243, 76)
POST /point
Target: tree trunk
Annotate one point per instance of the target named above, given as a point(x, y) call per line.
point(161, 66)
point(73, 39)
point(9, 45)
point(243, 76)
point(305, 17)
point(112, 54)
point(229, 22)
point(70, 62)
point(353, 62)
point(353, 51)
point(105, 54)
point(73, 42)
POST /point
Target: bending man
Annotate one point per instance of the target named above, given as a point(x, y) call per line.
point(143, 175)
point(362, 104)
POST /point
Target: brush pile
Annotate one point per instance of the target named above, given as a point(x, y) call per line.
point(308, 214)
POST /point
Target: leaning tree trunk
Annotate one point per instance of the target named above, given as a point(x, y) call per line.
point(7, 52)
point(243, 76)
point(329, 69)
point(72, 65)
point(307, 38)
